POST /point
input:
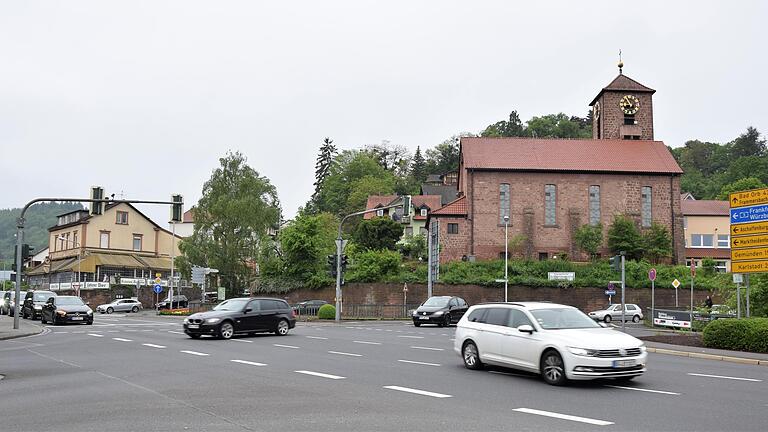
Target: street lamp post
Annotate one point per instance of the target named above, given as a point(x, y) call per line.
point(79, 258)
point(506, 256)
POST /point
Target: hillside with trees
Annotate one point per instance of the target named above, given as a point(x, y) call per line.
point(39, 218)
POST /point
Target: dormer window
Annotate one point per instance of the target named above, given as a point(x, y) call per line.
point(380, 212)
point(424, 212)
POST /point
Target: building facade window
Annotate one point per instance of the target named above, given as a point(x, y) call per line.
point(137, 242)
point(702, 240)
point(74, 239)
point(645, 198)
point(423, 212)
point(104, 240)
point(379, 212)
point(550, 197)
point(453, 228)
point(121, 218)
point(721, 267)
point(723, 240)
point(503, 202)
point(594, 205)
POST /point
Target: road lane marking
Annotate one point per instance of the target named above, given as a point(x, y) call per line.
point(195, 353)
point(564, 416)
point(241, 340)
point(418, 392)
point(428, 348)
point(643, 390)
point(412, 337)
point(419, 363)
point(153, 345)
point(726, 377)
point(175, 332)
point(286, 346)
point(122, 340)
point(248, 362)
point(78, 332)
point(345, 354)
point(317, 337)
point(94, 334)
point(367, 343)
point(320, 374)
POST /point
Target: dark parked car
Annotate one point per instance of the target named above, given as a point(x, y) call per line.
point(34, 302)
point(66, 309)
point(242, 315)
point(9, 303)
point(440, 310)
point(309, 307)
point(179, 301)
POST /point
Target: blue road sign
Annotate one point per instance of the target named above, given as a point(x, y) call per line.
point(158, 288)
point(756, 213)
point(610, 292)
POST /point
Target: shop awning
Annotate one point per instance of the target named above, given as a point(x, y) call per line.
point(155, 263)
point(115, 260)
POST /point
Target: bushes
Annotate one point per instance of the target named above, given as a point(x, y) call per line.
point(326, 311)
point(374, 266)
point(737, 334)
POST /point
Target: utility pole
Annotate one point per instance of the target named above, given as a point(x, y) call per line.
point(623, 284)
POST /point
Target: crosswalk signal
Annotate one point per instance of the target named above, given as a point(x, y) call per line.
point(97, 193)
point(615, 263)
point(177, 208)
point(332, 263)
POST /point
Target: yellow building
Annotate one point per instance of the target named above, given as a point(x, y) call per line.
point(120, 246)
point(707, 232)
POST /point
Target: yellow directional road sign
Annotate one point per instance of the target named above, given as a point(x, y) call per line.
point(749, 254)
point(748, 198)
point(749, 228)
point(749, 266)
point(749, 241)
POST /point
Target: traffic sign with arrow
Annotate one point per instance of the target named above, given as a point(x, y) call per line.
point(748, 198)
point(749, 228)
point(757, 213)
point(749, 241)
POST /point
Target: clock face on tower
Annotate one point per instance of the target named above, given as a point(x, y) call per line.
point(596, 110)
point(629, 104)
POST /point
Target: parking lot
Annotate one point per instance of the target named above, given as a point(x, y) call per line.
point(140, 372)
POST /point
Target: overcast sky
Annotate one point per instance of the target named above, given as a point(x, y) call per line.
point(143, 97)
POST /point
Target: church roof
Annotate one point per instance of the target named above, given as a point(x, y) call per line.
point(705, 208)
point(457, 207)
point(623, 83)
point(569, 155)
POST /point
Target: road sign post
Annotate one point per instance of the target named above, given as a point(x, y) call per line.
point(652, 277)
point(693, 276)
point(676, 283)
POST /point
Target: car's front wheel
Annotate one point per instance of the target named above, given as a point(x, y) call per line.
point(636, 319)
point(447, 322)
point(226, 330)
point(193, 335)
point(607, 318)
point(471, 356)
point(282, 328)
point(110, 310)
point(416, 324)
point(135, 309)
point(553, 368)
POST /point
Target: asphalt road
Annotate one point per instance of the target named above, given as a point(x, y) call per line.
point(141, 373)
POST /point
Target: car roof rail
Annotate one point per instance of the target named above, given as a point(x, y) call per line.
point(501, 303)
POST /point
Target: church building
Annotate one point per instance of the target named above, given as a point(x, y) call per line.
point(543, 190)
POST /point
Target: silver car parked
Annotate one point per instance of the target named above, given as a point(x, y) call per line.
point(120, 305)
point(632, 312)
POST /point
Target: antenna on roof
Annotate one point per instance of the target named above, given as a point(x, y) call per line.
point(621, 63)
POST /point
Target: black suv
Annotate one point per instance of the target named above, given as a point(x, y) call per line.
point(440, 310)
point(34, 301)
point(179, 302)
point(242, 315)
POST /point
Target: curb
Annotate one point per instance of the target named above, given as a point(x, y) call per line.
point(741, 360)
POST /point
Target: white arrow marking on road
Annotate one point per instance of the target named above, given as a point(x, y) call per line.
point(418, 392)
point(195, 353)
point(412, 337)
point(286, 346)
point(644, 390)
point(94, 334)
point(317, 337)
point(122, 340)
point(344, 353)
point(367, 343)
point(428, 348)
point(563, 416)
point(153, 345)
point(725, 377)
point(248, 362)
point(419, 363)
point(319, 374)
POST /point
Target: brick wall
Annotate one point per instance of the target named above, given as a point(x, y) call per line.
point(453, 246)
point(612, 116)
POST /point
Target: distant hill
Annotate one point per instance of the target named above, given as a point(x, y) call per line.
point(39, 218)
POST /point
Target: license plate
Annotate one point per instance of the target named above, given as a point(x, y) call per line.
point(193, 326)
point(424, 317)
point(77, 318)
point(623, 363)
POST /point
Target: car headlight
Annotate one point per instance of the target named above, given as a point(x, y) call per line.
point(582, 351)
point(438, 313)
point(38, 307)
point(61, 313)
point(642, 348)
point(212, 320)
point(186, 320)
point(90, 312)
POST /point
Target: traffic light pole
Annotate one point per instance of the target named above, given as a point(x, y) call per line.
point(623, 283)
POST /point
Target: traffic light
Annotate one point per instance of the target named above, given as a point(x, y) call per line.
point(343, 264)
point(26, 253)
point(177, 208)
point(615, 263)
point(97, 193)
point(332, 263)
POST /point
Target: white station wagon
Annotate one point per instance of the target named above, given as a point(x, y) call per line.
point(557, 341)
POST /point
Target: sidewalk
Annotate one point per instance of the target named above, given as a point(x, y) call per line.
point(26, 328)
point(708, 353)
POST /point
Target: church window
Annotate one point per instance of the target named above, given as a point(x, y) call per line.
point(645, 198)
point(503, 202)
point(594, 205)
point(550, 195)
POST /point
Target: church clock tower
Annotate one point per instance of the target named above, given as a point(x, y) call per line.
point(623, 110)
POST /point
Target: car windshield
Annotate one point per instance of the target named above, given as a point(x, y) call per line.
point(41, 297)
point(69, 301)
point(437, 301)
point(231, 305)
point(563, 318)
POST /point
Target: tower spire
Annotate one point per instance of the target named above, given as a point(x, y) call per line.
point(621, 64)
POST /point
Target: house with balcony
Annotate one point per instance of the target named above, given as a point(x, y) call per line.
point(706, 224)
point(414, 223)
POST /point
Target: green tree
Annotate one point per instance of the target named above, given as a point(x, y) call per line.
point(589, 238)
point(506, 128)
point(418, 167)
point(748, 144)
point(305, 243)
point(556, 126)
point(231, 219)
point(624, 236)
point(323, 167)
point(414, 247)
point(378, 233)
point(366, 186)
point(740, 185)
point(748, 166)
point(444, 157)
point(349, 167)
point(657, 243)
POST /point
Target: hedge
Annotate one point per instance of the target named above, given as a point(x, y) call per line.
point(737, 334)
point(326, 311)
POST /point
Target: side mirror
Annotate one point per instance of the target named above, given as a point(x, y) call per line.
point(50, 300)
point(248, 310)
point(525, 328)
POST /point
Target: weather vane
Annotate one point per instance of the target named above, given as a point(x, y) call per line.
point(621, 63)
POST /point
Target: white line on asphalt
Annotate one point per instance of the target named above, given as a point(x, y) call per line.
point(367, 343)
point(419, 392)
point(241, 340)
point(419, 363)
point(113, 331)
point(78, 332)
point(175, 332)
point(344, 353)
point(131, 330)
point(563, 416)
point(122, 340)
point(452, 339)
point(412, 337)
point(428, 348)
point(350, 327)
point(726, 377)
point(317, 337)
point(319, 374)
point(248, 362)
point(643, 390)
point(194, 353)
point(153, 345)
point(285, 346)
point(94, 334)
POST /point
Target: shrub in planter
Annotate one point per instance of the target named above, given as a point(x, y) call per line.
point(326, 311)
point(737, 334)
